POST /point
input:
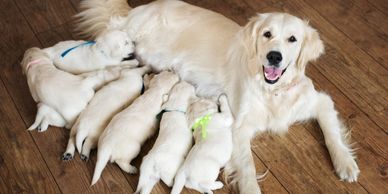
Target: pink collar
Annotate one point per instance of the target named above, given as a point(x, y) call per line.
point(33, 63)
point(287, 87)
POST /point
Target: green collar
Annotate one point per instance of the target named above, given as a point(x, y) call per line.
point(202, 122)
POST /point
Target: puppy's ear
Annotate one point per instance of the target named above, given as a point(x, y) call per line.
point(312, 48)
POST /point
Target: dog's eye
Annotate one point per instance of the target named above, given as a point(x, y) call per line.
point(267, 34)
point(292, 39)
point(126, 42)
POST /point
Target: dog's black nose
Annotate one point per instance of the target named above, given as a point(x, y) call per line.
point(274, 57)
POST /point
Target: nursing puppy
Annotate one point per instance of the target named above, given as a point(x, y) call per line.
point(61, 96)
point(128, 130)
point(260, 66)
point(173, 142)
point(109, 49)
point(202, 165)
point(107, 102)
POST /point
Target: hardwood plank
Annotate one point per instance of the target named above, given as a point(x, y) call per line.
point(45, 14)
point(372, 16)
point(380, 5)
point(349, 18)
point(22, 167)
point(370, 144)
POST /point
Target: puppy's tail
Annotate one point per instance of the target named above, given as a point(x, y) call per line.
point(96, 14)
point(103, 156)
point(179, 182)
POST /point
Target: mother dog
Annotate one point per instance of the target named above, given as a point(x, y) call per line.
point(259, 66)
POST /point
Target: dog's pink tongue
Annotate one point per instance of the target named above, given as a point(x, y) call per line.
point(272, 73)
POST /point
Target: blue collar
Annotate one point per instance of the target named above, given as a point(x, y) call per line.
point(72, 48)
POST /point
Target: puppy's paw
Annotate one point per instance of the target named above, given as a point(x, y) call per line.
point(132, 170)
point(84, 157)
point(67, 156)
point(346, 168)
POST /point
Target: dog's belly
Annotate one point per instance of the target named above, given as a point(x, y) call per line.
point(190, 40)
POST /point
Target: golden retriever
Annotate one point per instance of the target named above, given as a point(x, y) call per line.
point(260, 67)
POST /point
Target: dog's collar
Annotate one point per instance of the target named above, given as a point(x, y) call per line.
point(159, 115)
point(91, 42)
point(287, 87)
point(31, 63)
point(202, 122)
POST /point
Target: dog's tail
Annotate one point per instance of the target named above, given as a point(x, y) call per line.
point(95, 15)
point(148, 176)
point(179, 182)
point(103, 156)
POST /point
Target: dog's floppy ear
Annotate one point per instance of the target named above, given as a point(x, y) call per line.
point(250, 33)
point(312, 48)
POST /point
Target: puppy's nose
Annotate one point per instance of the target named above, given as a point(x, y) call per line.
point(274, 57)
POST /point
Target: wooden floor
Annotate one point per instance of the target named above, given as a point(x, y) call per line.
point(354, 71)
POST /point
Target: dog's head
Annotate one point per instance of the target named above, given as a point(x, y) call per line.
point(280, 45)
point(199, 108)
point(180, 96)
point(164, 81)
point(31, 55)
point(117, 45)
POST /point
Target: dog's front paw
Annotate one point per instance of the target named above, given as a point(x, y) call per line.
point(347, 168)
point(67, 156)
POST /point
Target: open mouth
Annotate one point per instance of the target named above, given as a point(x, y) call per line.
point(272, 74)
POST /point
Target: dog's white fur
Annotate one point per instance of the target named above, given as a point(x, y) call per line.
point(217, 55)
point(128, 130)
point(173, 143)
point(107, 102)
point(61, 96)
point(110, 49)
point(202, 165)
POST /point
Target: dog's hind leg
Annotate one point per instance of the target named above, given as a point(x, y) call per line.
point(211, 185)
point(69, 153)
point(89, 144)
point(148, 176)
point(46, 116)
point(126, 166)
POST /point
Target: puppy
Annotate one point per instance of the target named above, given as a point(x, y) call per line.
point(107, 102)
point(61, 96)
point(173, 143)
point(212, 149)
point(109, 49)
point(121, 140)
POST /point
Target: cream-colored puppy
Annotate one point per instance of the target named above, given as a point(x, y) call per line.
point(61, 96)
point(210, 152)
point(122, 139)
point(173, 143)
point(109, 49)
point(107, 102)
